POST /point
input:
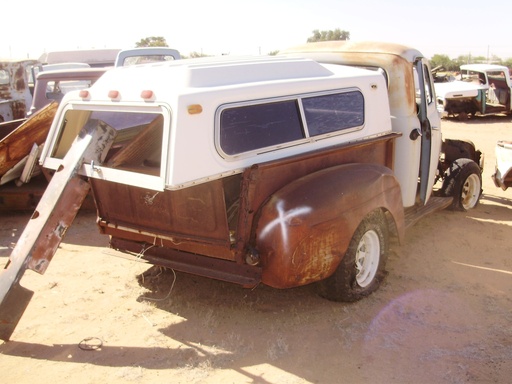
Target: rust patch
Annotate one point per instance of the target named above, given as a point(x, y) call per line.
point(15, 88)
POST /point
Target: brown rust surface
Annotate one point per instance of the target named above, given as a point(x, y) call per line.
point(55, 227)
point(243, 274)
point(192, 219)
point(263, 180)
point(305, 229)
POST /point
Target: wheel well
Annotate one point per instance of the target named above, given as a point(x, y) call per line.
point(457, 149)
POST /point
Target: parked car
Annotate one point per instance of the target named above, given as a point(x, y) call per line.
point(482, 89)
point(93, 57)
point(52, 85)
point(502, 176)
point(145, 55)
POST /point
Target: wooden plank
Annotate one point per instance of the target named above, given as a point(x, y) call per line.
point(19, 142)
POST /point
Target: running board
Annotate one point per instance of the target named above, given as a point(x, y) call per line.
point(415, 213)
point(48, 225)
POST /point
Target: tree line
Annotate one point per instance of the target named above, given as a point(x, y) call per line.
point(438, 60)
point(454, 64)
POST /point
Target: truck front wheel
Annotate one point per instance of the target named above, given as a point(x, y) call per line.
point(362, 268)
point(463, 182)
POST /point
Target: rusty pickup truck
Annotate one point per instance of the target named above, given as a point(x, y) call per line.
point(289, 170)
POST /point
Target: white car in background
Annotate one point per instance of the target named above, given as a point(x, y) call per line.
point(136, 56)
point(502, 176)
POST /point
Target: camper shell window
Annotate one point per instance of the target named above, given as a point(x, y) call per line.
point(138, 143)
point(263, 126)
point(251, 127)
point(331, 113)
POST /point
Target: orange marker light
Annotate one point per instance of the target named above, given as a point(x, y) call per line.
point(195, 109)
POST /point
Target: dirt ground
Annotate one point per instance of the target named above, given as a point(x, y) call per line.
point(443, 314)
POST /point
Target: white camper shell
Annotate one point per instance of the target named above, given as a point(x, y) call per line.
point(194, 107)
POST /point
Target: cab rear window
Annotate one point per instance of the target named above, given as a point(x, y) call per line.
point(264, 126)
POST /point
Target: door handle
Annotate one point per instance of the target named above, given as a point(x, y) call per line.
point(415, 133)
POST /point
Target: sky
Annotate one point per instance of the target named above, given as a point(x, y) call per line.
point(241, 27)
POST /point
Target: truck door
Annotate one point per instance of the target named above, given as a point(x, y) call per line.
point(430, 129)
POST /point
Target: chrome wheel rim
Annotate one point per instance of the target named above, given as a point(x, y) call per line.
point(367, 258)
point(470, 191)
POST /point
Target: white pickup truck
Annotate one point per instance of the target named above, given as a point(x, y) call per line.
point(482, 89)
point(286, 171)
point(502, 175)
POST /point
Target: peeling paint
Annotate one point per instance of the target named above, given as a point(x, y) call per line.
point(15, 94)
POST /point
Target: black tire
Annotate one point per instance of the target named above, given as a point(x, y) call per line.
point(463, 116)
point(463, 182)
point(351, 281)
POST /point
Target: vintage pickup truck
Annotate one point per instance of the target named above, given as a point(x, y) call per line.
point(286, 170)
point(502, 175)
point(482, 89)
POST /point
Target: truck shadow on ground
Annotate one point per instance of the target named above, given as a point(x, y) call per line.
point(83, 231)
point(498, 199)
point(225, 327)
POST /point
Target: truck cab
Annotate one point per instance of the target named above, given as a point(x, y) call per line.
point(412, 103)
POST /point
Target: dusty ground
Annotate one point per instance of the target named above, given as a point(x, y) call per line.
point(443, 315)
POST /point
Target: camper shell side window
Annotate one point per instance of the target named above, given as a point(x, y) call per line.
point(256, 127)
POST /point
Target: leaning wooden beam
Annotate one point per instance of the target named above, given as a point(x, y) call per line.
point(52, 217)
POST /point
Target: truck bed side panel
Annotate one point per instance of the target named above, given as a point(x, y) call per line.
point(192, 219)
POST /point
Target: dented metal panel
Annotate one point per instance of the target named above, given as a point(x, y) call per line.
point(305, 229)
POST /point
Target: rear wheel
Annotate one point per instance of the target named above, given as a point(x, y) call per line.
point(362, 268)
point(463, 182)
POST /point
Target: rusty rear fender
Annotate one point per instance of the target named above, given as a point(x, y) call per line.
point(304, 229)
